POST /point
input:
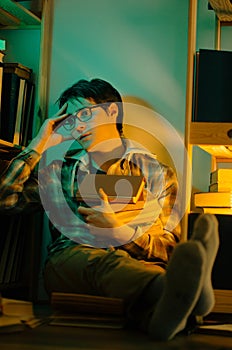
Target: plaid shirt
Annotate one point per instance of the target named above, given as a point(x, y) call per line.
point(54, 186)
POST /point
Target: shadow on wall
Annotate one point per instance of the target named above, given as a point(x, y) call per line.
point(142, 135)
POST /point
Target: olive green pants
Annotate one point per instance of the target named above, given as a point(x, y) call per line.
point(112, 273)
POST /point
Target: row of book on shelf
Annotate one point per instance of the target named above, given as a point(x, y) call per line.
point(17, 98)
point(218, 200)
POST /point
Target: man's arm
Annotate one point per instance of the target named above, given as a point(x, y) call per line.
point(18, 185)
point(157, 242)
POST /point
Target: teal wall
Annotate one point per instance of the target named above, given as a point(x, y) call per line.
point(139, 46)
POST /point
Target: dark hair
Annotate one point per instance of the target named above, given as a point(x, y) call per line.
point(97, 89)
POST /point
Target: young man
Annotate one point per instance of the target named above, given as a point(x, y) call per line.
point(98, 251)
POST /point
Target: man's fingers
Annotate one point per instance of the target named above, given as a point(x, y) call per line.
point(103, 195)
point(62, 110)
point(84, 210)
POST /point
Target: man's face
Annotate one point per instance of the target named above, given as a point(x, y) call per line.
point(92, 124)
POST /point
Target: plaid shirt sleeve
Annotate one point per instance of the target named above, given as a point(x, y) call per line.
point(158, 242)
point(18, 189)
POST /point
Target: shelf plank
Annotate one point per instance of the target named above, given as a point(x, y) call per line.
point(6, 143)
point(15, 12)
point(223, 9)
point(210, 133)
point(223, 301)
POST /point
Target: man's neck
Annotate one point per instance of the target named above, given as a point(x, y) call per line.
point(106, 156)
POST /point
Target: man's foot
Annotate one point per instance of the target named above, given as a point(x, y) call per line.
point(205, 230)
point(182, 288)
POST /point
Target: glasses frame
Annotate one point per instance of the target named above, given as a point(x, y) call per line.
point(77, 115)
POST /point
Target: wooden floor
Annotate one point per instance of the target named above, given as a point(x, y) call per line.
point(47, 337)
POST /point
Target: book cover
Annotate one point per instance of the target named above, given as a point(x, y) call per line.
point(88, 321)
point(19, 111)
point(17, 68)
point(86, 304)
point(221, 329)
point(212, 86)
point(223, 175)
point(119, 188)
point(10, 89)
point(27, 123)
point(15, 308)
point(82, 310)
point(213, 199)
point(217, 210)
point(220, 187)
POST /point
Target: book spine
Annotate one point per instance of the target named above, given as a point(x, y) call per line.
point(10, 90)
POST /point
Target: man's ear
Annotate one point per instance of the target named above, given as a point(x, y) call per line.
point(113, 110)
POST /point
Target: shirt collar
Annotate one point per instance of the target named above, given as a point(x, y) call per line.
point(131, 147)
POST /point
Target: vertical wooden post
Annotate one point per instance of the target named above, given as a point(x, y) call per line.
point(192, 23)
point(45, 61)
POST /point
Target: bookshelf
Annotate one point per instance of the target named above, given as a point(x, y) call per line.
point(214, 138)
point(21, 234)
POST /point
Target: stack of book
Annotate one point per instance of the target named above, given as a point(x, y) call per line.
point(82, 310)
point(17, 103)
point(219, 198)
point(17, 315)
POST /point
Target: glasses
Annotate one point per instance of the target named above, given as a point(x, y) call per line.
point(84, 115)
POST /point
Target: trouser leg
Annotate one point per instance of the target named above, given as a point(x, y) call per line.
point(87, 270)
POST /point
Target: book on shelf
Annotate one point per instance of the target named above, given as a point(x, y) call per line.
point(213, 199)
point(15, 307)
point(82, 310)
point(220, 187)
point(17, 315)
point(19, 111)
point(2, 54)
point(14, 104)
point(221, 176)
point(214, 328)
point(10, 88)
point(217, 210)
point(119, 188)
point(19, 69)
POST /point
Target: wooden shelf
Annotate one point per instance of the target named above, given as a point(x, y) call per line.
point(210, 133)
point(223, 301)
point(214, 138)
point(222, 9)
point(15, 16)
point(6, 143)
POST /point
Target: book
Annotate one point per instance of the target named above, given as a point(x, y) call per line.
point(14, 307)
point(17, 315)
point(27, 123)
point(19, 69)
point(220, 187)
point(14, 96)
point(119, 188)
point(221, 329)
point(10, 324)
point(217, 210)
point(87, 321)
point(223, 175)
point(2, 54)
point(19, 111)
point(213, 199)
point(212, 91)
point(10, 88)
point(82, 310)
point(87, 304)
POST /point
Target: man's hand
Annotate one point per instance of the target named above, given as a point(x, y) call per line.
point(47, 135)
point(100, 216)
point(104, 224)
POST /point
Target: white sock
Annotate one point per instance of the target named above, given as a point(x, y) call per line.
point(182, 287)
point(205, 230)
